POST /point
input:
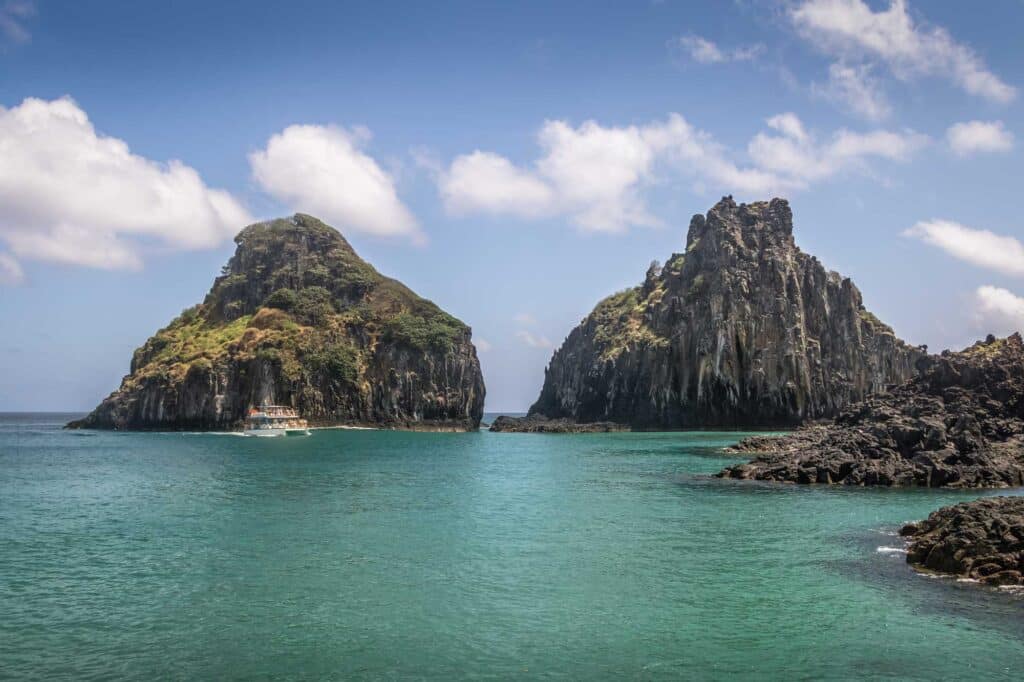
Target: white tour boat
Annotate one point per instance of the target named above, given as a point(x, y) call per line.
point(275, 420)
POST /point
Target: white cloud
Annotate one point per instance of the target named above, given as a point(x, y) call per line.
point(854, 88)
point(998, 311)
point(490, 183)
point(978, 247)
point(597, 171)
point(533, 341)
point(591, 173)
point(596, 175)
point(693, 152)
point(71, 195)
point(525, 318)
point(13, 14)
point(704, 51)
point(323, 171)
point(789, 124)
point(482, 345)
point(972, 137)
point(10, 270)
point(849, 29)
point(797, 159)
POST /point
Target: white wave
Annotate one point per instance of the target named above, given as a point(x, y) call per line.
point(173, 434)
point(891, 550)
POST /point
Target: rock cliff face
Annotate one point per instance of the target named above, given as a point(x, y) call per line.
point(959, 424)
point(297, 318)
point(742, 329)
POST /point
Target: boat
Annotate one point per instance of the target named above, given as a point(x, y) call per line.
point(275, 420)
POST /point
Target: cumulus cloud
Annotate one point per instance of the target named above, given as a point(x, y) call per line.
point(69, 194)
point(10, 270)
point(850, 29)
point(972, 137)
point(482, 345)
point(482, 181)
point(978, 247)
point(856, 90)
point(13, 15)
point(798, 159)
point(592, 173)
point(998, 311)
point(323, 170)
point(533, 341)
point(596, 174)
point(704, 51)
point(790, 125)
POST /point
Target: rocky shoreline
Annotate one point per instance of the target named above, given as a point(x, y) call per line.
point(959, 424)
point(541, 424)
point(981, 540)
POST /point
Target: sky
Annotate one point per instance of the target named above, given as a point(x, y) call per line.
point(513, 162)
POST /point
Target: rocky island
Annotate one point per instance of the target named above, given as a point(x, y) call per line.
point(742, 329)
point(959, 424)
point(983, 540)
point(297, 318)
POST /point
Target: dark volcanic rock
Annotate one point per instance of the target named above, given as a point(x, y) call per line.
point(541, 424)
point(959, 424)
point(741, 330)
point(298, 318)
point(983, 539)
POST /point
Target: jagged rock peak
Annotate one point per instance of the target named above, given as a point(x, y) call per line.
point(741, 329)
point(743, 223)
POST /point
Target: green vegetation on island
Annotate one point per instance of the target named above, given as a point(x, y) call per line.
point(297, 317)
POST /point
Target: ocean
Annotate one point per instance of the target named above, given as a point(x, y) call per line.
point(380, 554)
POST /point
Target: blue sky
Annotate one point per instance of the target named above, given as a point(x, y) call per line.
point(514, 162)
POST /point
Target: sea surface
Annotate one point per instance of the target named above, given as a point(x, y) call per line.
point(377, 554)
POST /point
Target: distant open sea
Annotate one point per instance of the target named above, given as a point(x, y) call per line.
point(379, 554)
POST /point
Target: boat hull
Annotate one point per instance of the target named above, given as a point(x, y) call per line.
point(271, 433)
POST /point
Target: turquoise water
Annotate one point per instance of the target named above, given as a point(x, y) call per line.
point(360, 554)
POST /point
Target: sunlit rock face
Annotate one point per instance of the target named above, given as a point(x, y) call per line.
point(742, 329)
point(297, 318)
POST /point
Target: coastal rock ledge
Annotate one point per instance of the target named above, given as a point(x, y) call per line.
point(960, 424)
point(983, 540)
point(541, 424)
point(741, 330)
point(297, 318)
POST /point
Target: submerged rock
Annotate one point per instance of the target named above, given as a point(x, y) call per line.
point(541, 424)
point(983, 540)
point(742, 330)
point(959, 424)
point(298, 318)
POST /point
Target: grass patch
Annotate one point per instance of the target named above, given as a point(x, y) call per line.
point(619, 323)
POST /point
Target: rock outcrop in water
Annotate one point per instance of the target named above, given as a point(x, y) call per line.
point(541, 424)
point(298, 318)
point(743, 329)
point(983, 539)
point(959, 424)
